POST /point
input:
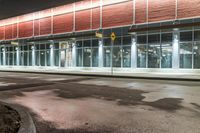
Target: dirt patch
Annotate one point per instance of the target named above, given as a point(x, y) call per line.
point(22, 86)
point(122, 96)
point(169, 104)
point(9, 120)
point(48, 127)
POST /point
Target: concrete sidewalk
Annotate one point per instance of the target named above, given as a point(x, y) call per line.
point(192, 75)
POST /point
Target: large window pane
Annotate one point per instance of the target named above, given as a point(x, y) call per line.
point(166, 37)
point(117, 56)
point(107, 57)
point(107, 42)
point(155, 38)
point(15, 58)
point(62, 58)
point(117, 41)
point(126, 40)
point(48, 57)
point(11, 59)
point(141, 56)
point(21, 58)
point(42, 58)
point(1, 59)
point(126, 52)
point(87, 43)
point(186, 36)
point(142, 39)
point(25, 58)
point(166, 59)
point(56, 57)
point(87, 57)
point(196, 49)
point(69, 57)
point(95, 43)
point(154, 56)
point(7, 58)
point(79, 44)
point(30, 58)
point(79, 57)
point(117, 31)
point(42, 46)
point(197, 35)
point(95, 57)
point(37, 58)
point(1, 56)
point(185, 55)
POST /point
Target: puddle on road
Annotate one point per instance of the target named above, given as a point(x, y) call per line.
point(55, 113)
point(49, 107)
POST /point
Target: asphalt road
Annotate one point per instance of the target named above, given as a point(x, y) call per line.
point(78, 104)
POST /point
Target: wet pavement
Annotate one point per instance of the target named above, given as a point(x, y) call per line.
point(77, 104)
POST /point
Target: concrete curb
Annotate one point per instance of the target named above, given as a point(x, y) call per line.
point(156, 77)
point(27, 125)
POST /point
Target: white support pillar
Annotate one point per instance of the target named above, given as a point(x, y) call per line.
point(100, 53)
point(4, 56)
point(33, 55)
point(176, 50)
point(52, 55)
point(18, 54)
point(74, 54)
point(134, 52)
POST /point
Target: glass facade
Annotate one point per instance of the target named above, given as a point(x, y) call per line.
point(152, 50)
point(117, 53)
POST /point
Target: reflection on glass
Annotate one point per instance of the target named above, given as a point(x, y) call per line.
point(1, 58)
point(56, 57)
point(141, 56)
point(63, 58)
point(69, 57)
point(185, 55)
point(107, 42)
point(48, 57)
point(95, 57)
point(117, 56)
point(11, 59)
point(186, 36)
point(126, 52)
point(42, 58)
point(21, 58)
point(30, 58)
point(166, 59)
point(25, 57)
point(7, 58)
point(79, 57)
point(154, 56)
point(196, 49)
point(107, 57)
point(37, 58)
point(15, 58)
point(86, 57)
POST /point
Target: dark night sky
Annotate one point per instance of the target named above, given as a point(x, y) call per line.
point(10, 8)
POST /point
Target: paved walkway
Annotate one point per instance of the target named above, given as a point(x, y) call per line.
point(141, 73)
